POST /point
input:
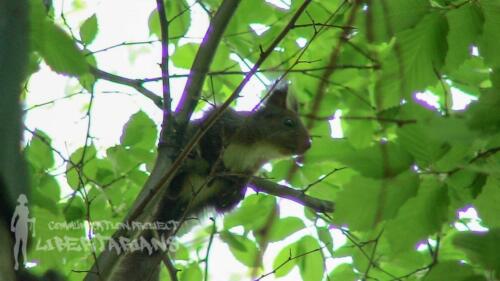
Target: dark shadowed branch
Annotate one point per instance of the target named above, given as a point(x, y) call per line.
point(172, 270)
point(283, 191)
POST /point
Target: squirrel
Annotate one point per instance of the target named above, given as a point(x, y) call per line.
point(219, 169)
point(233, 150)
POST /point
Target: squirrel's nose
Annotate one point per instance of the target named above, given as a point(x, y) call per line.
point(307, 144)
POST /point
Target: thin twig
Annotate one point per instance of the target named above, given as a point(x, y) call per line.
point(51, 101)
point(289, 259)
point(122, 44)
point(481, 155)
point(325, 25)
point(212, 234)
point(271, 69)
point(372, 255)
point(322, 178)
point(399, 122)
point(359, 245)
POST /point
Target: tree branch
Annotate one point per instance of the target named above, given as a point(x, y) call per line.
point(167, 100)
point(319, 205)
point(271, 69)
point(172, 270)
point(210, 241)
point(399, 122)
point(134, 83)
point(203, 60)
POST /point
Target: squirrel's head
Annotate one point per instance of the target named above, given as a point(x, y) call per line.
point(280, 123)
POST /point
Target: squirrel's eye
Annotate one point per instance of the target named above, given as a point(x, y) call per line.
point(288, 122)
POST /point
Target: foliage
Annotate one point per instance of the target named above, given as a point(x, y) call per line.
point(412, 166)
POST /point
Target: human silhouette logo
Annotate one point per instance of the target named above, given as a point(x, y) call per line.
point(20, 228)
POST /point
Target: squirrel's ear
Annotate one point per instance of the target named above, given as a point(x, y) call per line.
point(292, 103)
point(279, 95)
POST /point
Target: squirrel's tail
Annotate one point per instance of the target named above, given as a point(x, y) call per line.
point(140, 261)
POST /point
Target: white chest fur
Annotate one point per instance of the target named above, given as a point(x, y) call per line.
point(244, 158)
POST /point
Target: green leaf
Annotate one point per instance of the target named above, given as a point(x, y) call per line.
point(88, 80)
point(242, 248)
point(283, 262)
point(456, 155)
point(397, 16)
point(138, 177)
point(192, 273)
point(471, 75)
point(88, 30)
point(222, 60)
point(74, 210)
point(182, 253)
point(57, 49)
point(178, 16)
point(490, 40)
point(359, 133)
point(465, 25)
point(481, 248)
point(311, 264)
point(325, 236)
point(48, 234)
point(418, 53)
point(419, 217)
point(365, 202)
point(452, 130)
point(466, 185)
point(121, 158)
point(46, 193)
point(303, 253)
point(251, 12)
point(104, 171)
point(328, 187)
point(488, 203)
point(343, 272)
point(381, 160)
point(415, 138)
point(451, 270)
point(184, 55)
point(480, 113)
point(253, 212)
point(82, 155)
point(139, 132)
point(285, 227)
point(39, 152)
